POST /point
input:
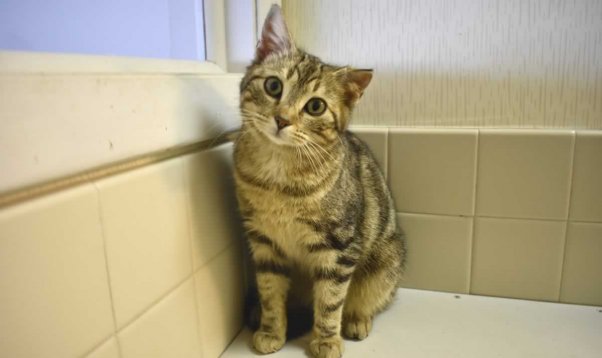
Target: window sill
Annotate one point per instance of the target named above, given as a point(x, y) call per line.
point(14, 62)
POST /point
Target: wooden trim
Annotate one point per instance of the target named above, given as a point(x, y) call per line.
point(87, 176)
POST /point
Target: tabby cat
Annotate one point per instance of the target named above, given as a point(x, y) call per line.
point(319, 217)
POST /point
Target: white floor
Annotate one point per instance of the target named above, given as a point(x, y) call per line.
point(443, 325)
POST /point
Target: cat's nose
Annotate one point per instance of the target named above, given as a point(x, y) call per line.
point(281, 122)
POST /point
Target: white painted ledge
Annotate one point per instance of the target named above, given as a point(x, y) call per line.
point(63, 114)
point(15, 62)
point(423, 324)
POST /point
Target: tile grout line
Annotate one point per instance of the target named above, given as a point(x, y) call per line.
point(435, 214)
point(492, 217)
point(232, 340)
point(198, 316)
point(585, 222)
point(154, 303)
point(517, 218)
point(106, 257)
point(188, 186)
point(229, 246)
point(102, 343)
point(568, 213)
point(386, 161)
point(474, 212)
point(388, 157)
point(190, 275)
point(169, 291)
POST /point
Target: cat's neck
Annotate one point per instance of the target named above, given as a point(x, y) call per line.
point(268, 161)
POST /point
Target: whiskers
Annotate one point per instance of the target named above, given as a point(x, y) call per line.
point(312, 153)
point(235, 134)
point(249, 116)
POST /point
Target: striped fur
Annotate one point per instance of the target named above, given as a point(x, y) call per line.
point(314, 201)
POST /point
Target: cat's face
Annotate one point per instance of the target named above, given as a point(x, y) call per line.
point(293, 98)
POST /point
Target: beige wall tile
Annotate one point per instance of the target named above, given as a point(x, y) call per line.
point(219, 287)
point(582, 275)
point(433, 171)
point(108, 349)
point(169, 329)
point(146, 230)
point(376, 139)
point(586, 201)
point(54, 291)
point(524, 173)
point(438, 252)
point(214, 216)
point(517, 258)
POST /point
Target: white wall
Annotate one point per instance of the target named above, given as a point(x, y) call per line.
point(501, 63)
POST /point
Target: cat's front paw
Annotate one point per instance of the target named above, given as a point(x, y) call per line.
point(267, 342)
point(357, 329)
point(327, 347)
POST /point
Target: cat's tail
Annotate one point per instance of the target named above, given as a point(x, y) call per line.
point(232, 135)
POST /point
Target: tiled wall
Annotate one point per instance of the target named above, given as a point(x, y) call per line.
point(513, 213)
point(143, 264)
point(149, 263)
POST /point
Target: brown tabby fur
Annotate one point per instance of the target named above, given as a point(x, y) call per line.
point(319, 216)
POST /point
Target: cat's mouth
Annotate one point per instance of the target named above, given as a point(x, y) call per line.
point(282, 136)
point(279, 136)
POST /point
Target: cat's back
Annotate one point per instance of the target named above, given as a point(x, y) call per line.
point(361, 161)
point(378, 214)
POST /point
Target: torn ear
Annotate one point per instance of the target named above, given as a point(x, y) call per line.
point(356, 83)
point(275, 37)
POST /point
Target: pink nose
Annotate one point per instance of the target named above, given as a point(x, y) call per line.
point(281, 122)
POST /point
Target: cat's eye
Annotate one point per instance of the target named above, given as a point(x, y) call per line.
point(273, 87)
point(315, 106)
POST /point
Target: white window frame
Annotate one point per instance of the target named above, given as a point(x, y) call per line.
point(227, 43)
point(220, 34)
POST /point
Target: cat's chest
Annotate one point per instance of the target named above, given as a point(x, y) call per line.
point(280, 221)
point(290, 235)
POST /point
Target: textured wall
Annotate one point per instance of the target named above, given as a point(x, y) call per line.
point(497, 63)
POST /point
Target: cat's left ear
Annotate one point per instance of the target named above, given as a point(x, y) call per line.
point(275, 37)
point(359, 80)
point(356, 82)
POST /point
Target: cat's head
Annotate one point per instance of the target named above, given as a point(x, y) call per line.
point(293, 97)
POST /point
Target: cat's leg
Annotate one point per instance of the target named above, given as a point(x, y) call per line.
point(330, 290)
point(272, 272)
point(372, 289)
point(366, 297)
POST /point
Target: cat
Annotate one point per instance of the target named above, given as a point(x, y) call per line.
point(319, 217)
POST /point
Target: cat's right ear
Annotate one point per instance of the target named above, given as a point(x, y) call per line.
point(275, 37)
